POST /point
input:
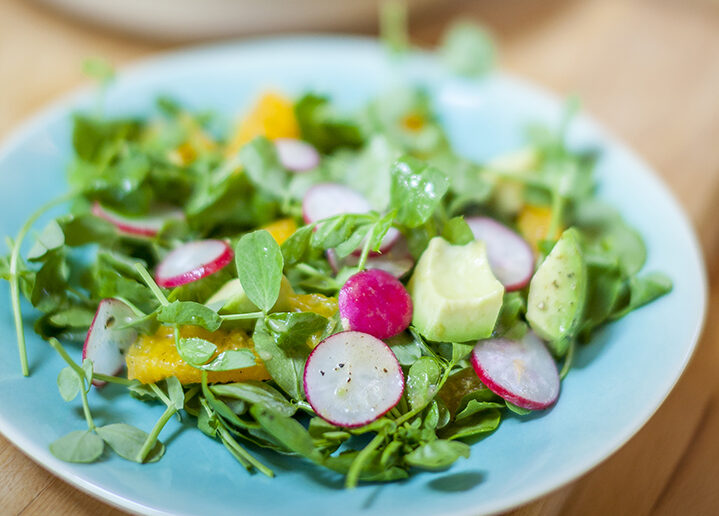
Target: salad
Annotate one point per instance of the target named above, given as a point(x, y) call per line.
point(340, 287)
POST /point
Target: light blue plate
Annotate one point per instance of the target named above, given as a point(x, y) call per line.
point(619, 380)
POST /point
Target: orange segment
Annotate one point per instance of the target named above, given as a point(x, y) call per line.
point(317, 303)
point(281, 229)
point(154, 357)
point(272, 116)
point(533, 223)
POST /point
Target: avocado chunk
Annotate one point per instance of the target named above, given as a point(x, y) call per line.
point(557, 293)
point(456, 297)
point(232, 298)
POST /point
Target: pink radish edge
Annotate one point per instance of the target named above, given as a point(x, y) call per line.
point(510, 256)
point(307, 381)
point(507, 394)
point(145, 227)
point(198, 270)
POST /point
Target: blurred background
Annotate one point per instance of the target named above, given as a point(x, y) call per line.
point(647, 69)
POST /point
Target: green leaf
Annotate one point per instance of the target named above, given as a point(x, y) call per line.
point(354, 241)
point(480, 423)
point(175, 392)
point(231, 360)
point(475, 406)
point(643, 290)
point(457, 232)
point(460, 351)
point(517, 410)
point(286, 366)
point(68, 383)
point(259, 266)
point(263, 167)
point(294, 328)
point(127, 442)
point(196, 351)
point(422, 381)
point(320, 125)
point(289, 432)
point(406, 349)
point(51, 237)
point(295, 247)
point(78, 446)
point(416, 190)
point(336, 230)
point(256, 393)
point(467, 49)
point(436, 455)
point(75, 316)
point(88, 369)
point(189, 313)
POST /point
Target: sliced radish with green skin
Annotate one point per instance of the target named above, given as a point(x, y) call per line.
point(522, 372)
point(352, 379)
point(327, 200)
point(510, 256)
point(106, 343)
point(375, 302)
point(296, 155)
point(147, 226)
point(192, 261)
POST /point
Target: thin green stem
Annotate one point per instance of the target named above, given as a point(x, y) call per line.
point(356, 467)
point(242, 317)
point(230, 441)
point(15, 279)
point(81, 373)
point(155, 433)
point(135, 309)
point(113, 379)
point(161, 395)
point(61, 351)
point(365, 250)
point(142, 271)
point(568, 360)
point(86, 406)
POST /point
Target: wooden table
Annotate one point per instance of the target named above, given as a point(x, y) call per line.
point(647, 69)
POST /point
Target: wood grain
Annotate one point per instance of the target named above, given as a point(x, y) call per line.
point(649, 70)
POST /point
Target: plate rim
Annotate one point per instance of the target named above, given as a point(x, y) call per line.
point(63, 104)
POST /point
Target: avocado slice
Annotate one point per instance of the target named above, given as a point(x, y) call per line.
point(557, 293)
point(456, 297)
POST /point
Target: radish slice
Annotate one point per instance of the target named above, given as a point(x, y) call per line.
point(397, 261)
point(147, 226)
point(375, 302)
point(510, 256)
point(352, 378)
point(522, 372)
point(330, 199)
point(192, 261)
point(104, 344)
point(296, 155)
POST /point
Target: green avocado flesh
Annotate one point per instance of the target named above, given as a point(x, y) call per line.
point(557, 293)
point(456, 297)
